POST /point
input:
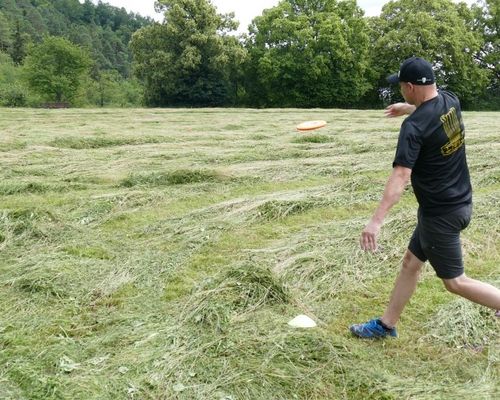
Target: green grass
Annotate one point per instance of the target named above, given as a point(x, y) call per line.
point(159, 254)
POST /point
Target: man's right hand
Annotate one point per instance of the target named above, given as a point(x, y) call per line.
point(369, 236)
point(399, 109)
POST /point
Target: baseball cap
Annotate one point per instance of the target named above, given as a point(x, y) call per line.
point(415, 70)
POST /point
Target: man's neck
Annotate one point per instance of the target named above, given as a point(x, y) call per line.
point(426, 94)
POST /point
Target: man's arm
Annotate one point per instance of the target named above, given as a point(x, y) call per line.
point(398, 109)
point(393, 190)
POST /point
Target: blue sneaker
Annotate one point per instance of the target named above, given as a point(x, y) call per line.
point(372, 330)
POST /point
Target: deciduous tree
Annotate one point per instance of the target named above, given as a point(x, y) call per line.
point(189, 58)
point(55, 69)
point(309, 53)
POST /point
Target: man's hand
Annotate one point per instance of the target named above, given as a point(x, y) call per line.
point(369, 236)
point(393, 190)
point(399, 109)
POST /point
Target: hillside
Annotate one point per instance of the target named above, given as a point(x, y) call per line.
point(104, 29)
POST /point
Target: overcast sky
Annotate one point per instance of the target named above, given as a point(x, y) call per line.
point(245, 10)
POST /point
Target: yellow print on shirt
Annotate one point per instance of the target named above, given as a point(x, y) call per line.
point(453, 128)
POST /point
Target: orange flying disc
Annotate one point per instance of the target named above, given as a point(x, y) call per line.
point(310, 125)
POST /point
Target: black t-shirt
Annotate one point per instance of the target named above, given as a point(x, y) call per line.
point(432, 143)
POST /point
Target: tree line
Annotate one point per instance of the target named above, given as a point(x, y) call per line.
point(301, 53)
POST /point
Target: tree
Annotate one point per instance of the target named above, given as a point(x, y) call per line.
point(55, 69)
point(110, 89)
point(5, 34)
point(188, 59)
point(308, 53)
point(12, 91)
point(34, 23)
point(486, 21)
point(437, 31)
point(18, 48)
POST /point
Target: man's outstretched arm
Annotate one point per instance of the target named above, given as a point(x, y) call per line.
point(399, 109)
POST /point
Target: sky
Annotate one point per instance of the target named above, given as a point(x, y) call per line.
point(245, 10)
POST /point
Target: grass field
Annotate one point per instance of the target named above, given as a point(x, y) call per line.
point(159, 254)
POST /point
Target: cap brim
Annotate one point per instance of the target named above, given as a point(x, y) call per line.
point(393, 79)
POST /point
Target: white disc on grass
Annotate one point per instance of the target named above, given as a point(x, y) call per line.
point(302, 321)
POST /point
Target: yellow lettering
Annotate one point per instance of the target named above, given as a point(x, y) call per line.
point(452, 128)
point(451, 123)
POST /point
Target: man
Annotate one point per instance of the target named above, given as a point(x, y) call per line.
point(431, 151)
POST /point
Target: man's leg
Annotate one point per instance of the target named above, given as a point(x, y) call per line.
point(473, 290)
point(404, 288)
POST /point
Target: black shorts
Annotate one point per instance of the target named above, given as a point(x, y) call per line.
point(437, 239)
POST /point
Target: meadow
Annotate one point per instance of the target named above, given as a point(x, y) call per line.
point(160, 253)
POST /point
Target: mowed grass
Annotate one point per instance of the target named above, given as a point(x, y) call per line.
point(159, 254)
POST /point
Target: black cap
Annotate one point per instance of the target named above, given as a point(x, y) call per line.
point(414, 70)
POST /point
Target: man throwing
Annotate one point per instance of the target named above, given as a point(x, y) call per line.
point(430, 150)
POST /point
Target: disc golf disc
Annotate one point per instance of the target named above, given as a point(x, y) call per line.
point(310, 125)
point(302, 321)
